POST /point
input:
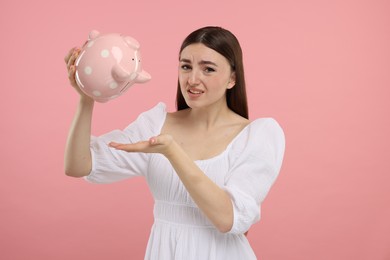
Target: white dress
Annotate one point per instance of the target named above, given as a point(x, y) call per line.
point(246, 170)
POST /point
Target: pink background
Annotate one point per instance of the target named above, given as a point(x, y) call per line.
point(321, 68)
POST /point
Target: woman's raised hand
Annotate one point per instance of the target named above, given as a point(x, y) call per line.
point(70, 59)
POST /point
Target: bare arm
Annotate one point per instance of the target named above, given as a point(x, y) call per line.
point(78, 162)
point(214, 202)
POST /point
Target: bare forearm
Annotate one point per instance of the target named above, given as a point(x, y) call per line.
point(78, 160)
point(214, 202)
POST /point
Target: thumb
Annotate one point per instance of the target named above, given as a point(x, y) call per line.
point(153, 140)
point(163, 139)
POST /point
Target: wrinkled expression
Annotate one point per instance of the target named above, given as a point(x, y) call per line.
point(204, 76)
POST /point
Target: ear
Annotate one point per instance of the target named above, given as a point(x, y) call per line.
point(232, 81)
point(93, 34)
point(132, 42)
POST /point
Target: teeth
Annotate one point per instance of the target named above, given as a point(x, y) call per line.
point(195, 92)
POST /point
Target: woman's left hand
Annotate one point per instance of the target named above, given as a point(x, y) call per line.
point(158, 144)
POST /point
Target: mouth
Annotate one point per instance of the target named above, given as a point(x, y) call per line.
point(195, 91)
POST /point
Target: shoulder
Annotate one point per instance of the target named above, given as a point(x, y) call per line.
point(267, 125)
point(260, 136)
point(150, 120)
point(267, 129)
point(267, 135)
point(262, 141)
point(157, 111)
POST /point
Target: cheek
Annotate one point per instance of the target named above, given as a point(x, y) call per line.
point(217, 83)
point(181, 80)
point(220, 80)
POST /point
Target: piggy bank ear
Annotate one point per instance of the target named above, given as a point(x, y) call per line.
point(132, 42)
point(119, 73)
point(142, 77)
point(93, 34)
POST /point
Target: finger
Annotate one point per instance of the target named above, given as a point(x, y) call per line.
point(67, 56)
point(136, 147)
point(114, 144)
point(71, 75)
point(153, 140)
point(71, 70)
point(160, 140)
point(73, 57)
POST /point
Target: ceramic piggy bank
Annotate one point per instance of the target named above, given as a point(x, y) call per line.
point(108, 64)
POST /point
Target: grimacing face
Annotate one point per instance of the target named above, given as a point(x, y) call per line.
point(204, 76)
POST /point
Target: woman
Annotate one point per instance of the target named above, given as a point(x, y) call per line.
point(208, 167)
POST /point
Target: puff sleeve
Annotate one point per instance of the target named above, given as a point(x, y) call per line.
point(255, 165)
point(111, 165)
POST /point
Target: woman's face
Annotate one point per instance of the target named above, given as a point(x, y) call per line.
point(204, 76)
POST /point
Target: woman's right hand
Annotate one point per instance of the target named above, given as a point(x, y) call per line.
point(70, 59)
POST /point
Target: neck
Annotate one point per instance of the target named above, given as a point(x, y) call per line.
point(209, 117)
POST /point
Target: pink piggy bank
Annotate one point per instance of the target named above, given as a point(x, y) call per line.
point(108, 65)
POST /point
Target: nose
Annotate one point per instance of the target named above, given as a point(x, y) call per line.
point(194, 78)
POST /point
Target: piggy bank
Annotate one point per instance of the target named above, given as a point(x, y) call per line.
point(108, 64)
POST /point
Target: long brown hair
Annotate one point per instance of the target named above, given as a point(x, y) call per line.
point(226, 44)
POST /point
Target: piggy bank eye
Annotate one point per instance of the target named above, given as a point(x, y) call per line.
point(132, 59)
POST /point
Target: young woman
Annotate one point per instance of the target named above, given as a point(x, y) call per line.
point(207, 166)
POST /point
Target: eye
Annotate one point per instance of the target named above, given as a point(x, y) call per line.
point(185, 67)
point(209, 69)
point(132, 59)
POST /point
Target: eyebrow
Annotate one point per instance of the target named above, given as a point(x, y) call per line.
point(202, 62)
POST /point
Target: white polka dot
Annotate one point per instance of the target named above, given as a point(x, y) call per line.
point(114, 96)
point(88, 70)
point(90, 43)
point(96, 93)
point(113, 85)
point(105, 53)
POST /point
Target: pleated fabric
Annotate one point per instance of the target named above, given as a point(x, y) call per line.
point(246, 170)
